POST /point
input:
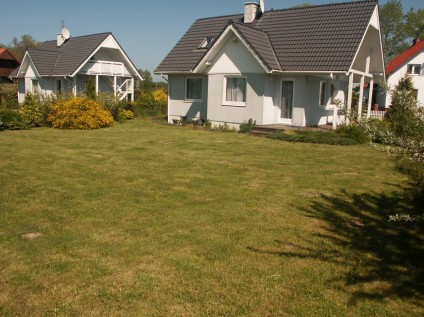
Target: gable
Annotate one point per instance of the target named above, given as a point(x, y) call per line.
point(234, 58)
point(371, 46)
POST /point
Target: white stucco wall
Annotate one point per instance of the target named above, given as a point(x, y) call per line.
point(418, 80)
point(179, 107)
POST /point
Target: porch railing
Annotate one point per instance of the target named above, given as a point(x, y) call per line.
point(104, 68)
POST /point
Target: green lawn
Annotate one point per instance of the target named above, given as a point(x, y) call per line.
point(146, 219)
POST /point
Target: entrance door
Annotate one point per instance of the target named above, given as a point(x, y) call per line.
point(286, 107)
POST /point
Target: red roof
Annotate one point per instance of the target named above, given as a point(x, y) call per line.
point(9, 64)
point(5, 53)
point(404, 57)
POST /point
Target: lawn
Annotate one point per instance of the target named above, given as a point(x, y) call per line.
point(146, 219)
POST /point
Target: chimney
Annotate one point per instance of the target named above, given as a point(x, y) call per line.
point(60, 39)
point(250, 11)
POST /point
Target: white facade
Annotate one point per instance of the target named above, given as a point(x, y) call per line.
point(416, 76)
point(107, 66)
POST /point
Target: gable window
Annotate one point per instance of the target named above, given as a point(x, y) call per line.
point(194, 87)
point(235, 91)
point(322, 93)
point(414, 69)
point(207, 43)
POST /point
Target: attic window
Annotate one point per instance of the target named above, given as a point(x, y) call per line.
point(207, 43)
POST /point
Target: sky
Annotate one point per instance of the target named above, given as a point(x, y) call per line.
point(147, 30)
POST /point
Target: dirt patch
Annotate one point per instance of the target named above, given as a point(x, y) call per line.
point(32, 235)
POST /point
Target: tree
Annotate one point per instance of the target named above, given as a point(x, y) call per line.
point(415, 24)
point(19, 47)
point(393, 27)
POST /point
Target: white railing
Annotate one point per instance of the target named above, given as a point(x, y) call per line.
point(104, 68)
point(377, 114)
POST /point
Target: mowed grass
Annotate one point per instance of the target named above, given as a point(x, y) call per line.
point(146, 219)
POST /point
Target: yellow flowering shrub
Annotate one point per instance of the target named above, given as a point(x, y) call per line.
point(80, 114)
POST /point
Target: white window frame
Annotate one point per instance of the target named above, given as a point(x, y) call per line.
point(413, 68)
point(234, 103)
point(324, 104)
point(186, 87)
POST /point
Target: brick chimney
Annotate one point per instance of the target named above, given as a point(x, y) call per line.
point(251, 9)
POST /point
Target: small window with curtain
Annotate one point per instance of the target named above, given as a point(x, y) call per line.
point(235, 91)
point(194, 86)
point(322, 94)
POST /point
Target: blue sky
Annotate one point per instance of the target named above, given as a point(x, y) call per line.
point(147, 30)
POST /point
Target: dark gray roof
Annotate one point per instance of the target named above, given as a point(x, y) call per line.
point(51, 60)
point(314, 38)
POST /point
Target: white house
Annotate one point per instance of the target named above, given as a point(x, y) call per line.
point(410, 62)
point(288, 66)
point(68, 63)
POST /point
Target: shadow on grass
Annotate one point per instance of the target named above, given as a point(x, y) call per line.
point(382, 258)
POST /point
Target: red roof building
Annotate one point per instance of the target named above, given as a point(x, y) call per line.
point(8, 63)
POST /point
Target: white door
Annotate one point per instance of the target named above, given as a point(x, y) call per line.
point(286, 105)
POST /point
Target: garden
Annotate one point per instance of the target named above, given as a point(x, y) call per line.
point(150, 219)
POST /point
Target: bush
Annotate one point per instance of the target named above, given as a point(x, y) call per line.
point(152, 103)
point(313, 137)
point(36, 109)
point(12, 120)
point(8, 96)
point(246, 127)
point(353, 131)
point(80, 113)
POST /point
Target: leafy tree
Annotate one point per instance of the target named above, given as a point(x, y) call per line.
point(393, 29)
point(19, 47)
point(415, 24)
point(90, 89)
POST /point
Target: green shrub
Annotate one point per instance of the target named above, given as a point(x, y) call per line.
point(8, 96)
point(246, 127)
point(152, 103)
point(36, 109)
point(111, 102)
point(353, 131)
point(313, 137)
point(12, 120)
point(80, 113)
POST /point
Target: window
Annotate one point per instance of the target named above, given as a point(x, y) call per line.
point(322, 93)
point(58, 87)
point(35, 86)
point(235, 90)
point(415, 94)
point(414, 69)
point(207, 43)
point(194, 88)
point(333, 94)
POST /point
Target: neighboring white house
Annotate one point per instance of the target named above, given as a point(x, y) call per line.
point(287, 66)
point(410, 62)
point(68, 63)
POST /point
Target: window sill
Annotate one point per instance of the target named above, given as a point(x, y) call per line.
point(233, 104)
point(192, 100)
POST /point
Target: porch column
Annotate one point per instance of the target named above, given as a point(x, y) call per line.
point(349, 97)
point(361, 97)
point(132, 89)
point(97, 84)
point(114, 85)
point(370, 98)
point(74, 88)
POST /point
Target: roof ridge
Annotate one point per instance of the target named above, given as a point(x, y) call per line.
point(220, 16)
point(321, 5)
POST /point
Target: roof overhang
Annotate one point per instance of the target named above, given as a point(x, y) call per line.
point(26, 61)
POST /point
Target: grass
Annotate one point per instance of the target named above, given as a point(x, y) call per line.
point(145, 219)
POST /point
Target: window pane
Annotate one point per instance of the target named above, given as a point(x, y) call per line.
point(322, 92)
point(417, 69)
point(194, 88)
point(236, 89)
point(410, 68)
